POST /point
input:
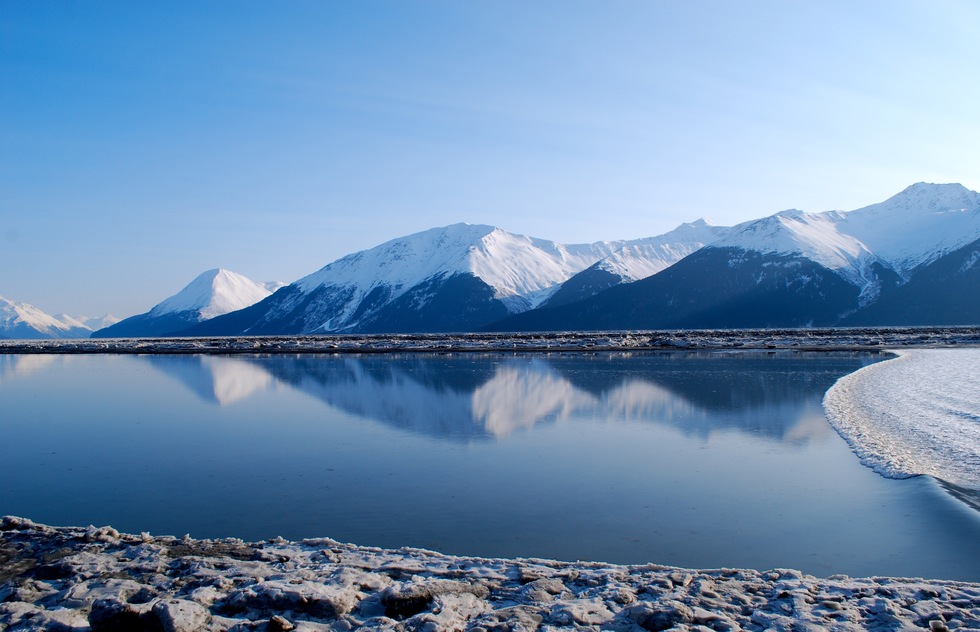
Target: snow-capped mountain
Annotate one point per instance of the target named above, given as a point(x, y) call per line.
point(93, 323)
point(917, 226)
point(908, 230)
point(638, 259)
point(792, 268)
point(211, 294)
point(23, 320)
point(521, 270)
point(454, 278)
point(804, 269)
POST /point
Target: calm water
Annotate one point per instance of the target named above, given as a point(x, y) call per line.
point(689, 459)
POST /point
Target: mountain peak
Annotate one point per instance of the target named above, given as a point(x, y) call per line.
point(701, 222)
point(791, 213)
point(23, 320)
point(927, 197)
point(214, 292)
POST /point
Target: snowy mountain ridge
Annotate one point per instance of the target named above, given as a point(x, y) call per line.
point(466, 277)
point(23, 320)
point(910, 229)
point(918, 225)
point(641, 258)
point(515, 266)
point(216, 292)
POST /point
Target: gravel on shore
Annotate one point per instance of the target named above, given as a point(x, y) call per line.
point(75, 578)
point(817, 339)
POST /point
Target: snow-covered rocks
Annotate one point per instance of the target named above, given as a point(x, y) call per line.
point(164, 583)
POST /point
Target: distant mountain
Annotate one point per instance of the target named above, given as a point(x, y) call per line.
point(454, 278)
point(911, 254)
point(636, 260)
point(93, 323)
point(908, 260)
point(22, 320)
point(211, 294)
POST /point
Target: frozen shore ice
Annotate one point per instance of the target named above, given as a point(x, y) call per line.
point(74, 578)
point(916, 414)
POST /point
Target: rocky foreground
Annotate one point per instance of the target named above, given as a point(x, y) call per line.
point(71, 578)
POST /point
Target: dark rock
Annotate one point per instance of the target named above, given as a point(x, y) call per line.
point(660, 616)
point(109, 615)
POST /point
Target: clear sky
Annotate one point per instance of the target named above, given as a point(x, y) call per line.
point(142, 143)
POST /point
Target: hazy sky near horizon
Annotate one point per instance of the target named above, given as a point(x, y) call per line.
point(142, 143)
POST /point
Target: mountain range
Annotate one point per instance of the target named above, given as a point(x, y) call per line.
point(910, 260)
point(23, 320)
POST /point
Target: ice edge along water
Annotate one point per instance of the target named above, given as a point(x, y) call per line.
point(918, 413)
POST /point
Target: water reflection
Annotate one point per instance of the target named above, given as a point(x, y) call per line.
point(12, 366)
point(486, 397)
point(685, 459)
point(220, 380)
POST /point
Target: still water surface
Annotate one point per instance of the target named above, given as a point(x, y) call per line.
point(688, 459)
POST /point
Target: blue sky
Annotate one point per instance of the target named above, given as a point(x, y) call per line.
point(142, 143)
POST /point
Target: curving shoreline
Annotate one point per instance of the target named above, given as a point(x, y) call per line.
point(74, 578)
point(913, 414)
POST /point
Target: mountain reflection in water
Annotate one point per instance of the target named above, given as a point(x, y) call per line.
point(473, 397)
point(684, 458)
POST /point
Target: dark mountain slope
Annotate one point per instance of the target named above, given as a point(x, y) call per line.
point(944, 292)
point(714, 287)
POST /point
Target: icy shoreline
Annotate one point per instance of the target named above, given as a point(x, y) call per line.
point(73, 578)
point(912, 415)
point(795, 339)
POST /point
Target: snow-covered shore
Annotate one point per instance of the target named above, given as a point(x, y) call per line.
point(73, 578)
point(916, 414)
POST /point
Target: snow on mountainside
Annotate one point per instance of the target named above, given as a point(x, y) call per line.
point(637, 259)
point(22, 320)
point(918, 225)
point(908, 260)
point(211, 294)
point(820, 267)
point(814, 236)
point(641, 258)
point(910, 229)
point(455, 278)
point(94, 322)
point(215, 292)
point(521, 270)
